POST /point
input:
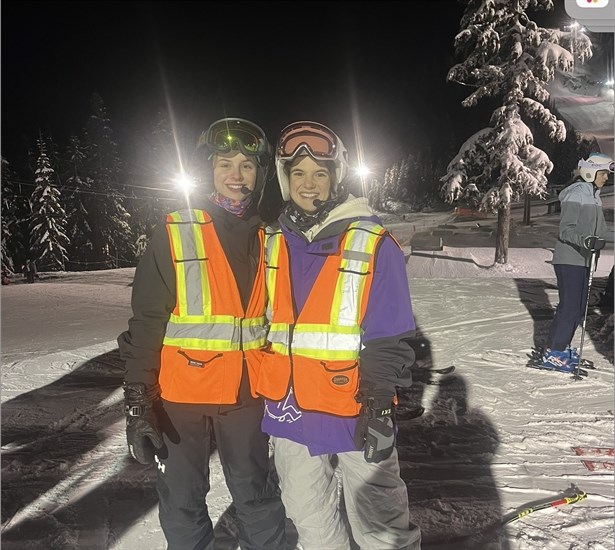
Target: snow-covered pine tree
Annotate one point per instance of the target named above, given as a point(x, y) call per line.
point(508, 57)
point(48, 238)
point(110, 232)
point(12, 218)
point(75, 192)
point(156, 166)
point(394, 189)
point(375, 194)
point(403, 181)
point(387, 185)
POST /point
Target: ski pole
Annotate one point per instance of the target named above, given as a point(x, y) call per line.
point(592, 267)
point(570, 496)
point(575, 496)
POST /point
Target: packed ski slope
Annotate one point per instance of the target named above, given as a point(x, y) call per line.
point(495, 437)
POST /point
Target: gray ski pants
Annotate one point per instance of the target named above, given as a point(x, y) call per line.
point(375, 498)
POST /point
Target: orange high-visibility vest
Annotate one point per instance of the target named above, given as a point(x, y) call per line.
point(208, 334)
point(317, 351)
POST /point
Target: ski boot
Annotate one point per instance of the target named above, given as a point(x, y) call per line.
point(574, 354)
point(562, 361)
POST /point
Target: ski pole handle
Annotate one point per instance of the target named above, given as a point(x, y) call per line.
point(593, 242)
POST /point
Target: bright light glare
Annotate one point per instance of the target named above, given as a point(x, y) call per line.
point(362, 170)
point(184, 182)
point(609, 82)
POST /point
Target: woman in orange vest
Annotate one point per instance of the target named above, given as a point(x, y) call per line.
point(340, 315)
point(193, 346)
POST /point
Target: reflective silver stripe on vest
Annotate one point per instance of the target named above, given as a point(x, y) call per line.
point(341, 338)
point(221, 332)
point(195, 327)
point(354, 266)
point(192, 282)
point(273, 242)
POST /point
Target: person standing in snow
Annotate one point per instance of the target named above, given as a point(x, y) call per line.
point(341, 316)
point(582, 232)
point(193, 345)
point(29, 270)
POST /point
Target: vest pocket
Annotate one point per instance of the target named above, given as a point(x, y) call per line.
point(200, 376)
point(273, 377)
point(327, 386)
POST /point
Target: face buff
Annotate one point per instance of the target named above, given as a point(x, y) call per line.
point(231, 205)
point(304, 220)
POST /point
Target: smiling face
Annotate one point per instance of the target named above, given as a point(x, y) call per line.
point(308, 180)
point(232, 172)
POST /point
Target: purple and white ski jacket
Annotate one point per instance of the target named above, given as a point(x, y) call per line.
point(388, 321)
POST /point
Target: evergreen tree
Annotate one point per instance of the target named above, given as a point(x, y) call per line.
point(47, 234)
point(12, 218)
point(394, 189)
point(108, 229)
point(152, 174)
point(424, 169)
point(510, 58)
point(375, 194)
point(75, 193)
point(565, 155)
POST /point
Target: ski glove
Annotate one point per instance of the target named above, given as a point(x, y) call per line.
point(142, 431)
point(375, 431)
point(593, 242)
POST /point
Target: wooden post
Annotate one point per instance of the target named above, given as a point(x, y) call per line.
point(526, 209)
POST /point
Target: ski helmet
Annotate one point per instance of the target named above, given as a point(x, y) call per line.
point(228, 134)
point(594, 163)
point(316, 140)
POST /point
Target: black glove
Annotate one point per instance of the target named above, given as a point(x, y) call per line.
point(375, 431)
point(593, 242)
point(142, 430)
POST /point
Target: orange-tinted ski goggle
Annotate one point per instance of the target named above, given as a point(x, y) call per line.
point(318, 140)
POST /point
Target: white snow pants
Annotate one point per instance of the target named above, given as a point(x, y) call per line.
point(375, 498)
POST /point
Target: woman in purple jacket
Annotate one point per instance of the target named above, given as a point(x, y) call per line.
point(318, 440)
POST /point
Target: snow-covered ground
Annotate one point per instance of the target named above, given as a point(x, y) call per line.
point(495, 435)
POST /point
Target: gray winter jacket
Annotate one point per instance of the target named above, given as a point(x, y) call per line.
point(581, 216)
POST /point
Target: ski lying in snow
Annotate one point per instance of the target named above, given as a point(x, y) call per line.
point(594, 451)
point(599, 465)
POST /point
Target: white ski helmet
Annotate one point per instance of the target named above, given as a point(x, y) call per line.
point(594, 163)
point(318, 141)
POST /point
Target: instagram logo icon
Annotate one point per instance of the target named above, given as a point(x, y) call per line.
point(592, 3)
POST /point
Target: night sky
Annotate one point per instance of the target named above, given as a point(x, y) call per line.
point(372, 67)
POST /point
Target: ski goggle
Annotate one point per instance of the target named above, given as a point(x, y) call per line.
point(597, 164)
point(227, 134)
point(318, 140)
